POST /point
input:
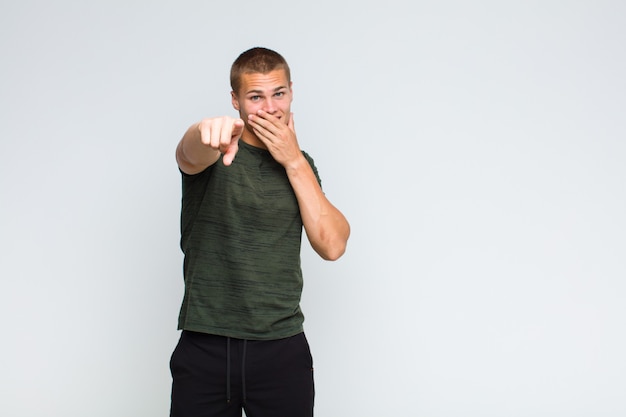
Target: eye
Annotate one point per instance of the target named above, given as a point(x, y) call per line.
point(279, 94)
point(255, 98)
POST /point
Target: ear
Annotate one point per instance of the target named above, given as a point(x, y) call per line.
point(234, 100)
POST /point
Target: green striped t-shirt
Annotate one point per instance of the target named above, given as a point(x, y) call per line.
point(241, 232)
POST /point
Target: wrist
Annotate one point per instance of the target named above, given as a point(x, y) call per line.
point(296, 164)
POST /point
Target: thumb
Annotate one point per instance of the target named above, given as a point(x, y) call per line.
point(290, 123)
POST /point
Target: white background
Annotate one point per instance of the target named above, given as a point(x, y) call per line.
point(477, 149)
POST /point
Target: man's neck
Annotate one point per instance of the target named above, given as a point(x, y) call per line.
point(251, 139)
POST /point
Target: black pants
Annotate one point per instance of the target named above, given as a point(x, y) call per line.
point(219, 376)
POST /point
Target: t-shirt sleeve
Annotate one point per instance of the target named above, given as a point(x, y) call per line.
point(313, 167)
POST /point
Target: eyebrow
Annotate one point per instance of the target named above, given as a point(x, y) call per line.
point(261, 91)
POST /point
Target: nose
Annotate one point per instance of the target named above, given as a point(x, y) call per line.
point(269, 106)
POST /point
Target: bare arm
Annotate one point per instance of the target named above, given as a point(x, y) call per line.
point(204, 142)
point(326, 227)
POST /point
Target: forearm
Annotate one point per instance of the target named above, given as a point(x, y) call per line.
point(326, 227)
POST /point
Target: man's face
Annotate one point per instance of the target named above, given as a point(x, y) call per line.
point(269, 92)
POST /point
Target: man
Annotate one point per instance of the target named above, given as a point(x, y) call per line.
point(248, 191)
